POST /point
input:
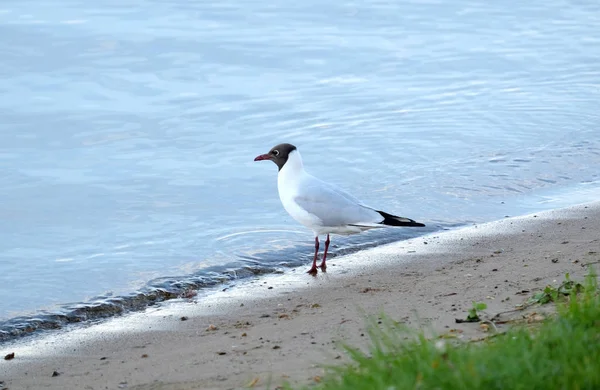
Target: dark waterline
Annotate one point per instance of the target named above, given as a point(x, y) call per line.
point(171, 287)
point(269, 262)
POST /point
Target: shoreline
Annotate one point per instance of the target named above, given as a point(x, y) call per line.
point(283, 327)
point(102, 308)
point(66, 317)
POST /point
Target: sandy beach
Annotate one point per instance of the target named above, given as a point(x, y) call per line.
point(288, 327)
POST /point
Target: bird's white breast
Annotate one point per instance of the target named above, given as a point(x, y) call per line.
point(289, 182)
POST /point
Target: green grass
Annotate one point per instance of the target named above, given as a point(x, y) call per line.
point(563, 352)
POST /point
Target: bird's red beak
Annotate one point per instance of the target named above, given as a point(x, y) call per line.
point(262, 157)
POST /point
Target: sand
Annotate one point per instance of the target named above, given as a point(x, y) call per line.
point(287, 327)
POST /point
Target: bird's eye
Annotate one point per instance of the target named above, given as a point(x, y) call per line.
point(276, 153)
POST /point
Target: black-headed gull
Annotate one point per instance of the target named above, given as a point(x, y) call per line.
point(323, 207)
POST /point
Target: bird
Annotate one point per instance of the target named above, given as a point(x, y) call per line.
point(320, 206)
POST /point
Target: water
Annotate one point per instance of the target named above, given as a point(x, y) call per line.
point(128, 129)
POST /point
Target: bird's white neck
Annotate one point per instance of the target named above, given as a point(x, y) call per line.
point(292, 173)
point(293, 165)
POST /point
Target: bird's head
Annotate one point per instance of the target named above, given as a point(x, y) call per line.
point(279, 154)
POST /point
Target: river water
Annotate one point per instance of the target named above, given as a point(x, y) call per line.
point(128, 129)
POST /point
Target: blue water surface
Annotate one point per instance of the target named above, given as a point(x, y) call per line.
point(128, 129)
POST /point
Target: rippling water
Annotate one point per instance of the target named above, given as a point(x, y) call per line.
point(128, 129)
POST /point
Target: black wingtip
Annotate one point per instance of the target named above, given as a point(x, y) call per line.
point(393, 220)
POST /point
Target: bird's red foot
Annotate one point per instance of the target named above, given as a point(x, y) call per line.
point(312, 271)
point(323, 267)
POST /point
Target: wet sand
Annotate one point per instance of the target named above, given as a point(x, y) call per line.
point(287, 327)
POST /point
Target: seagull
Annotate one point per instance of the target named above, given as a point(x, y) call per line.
point(320, 206)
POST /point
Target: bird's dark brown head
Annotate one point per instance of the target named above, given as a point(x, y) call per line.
point(278, 154)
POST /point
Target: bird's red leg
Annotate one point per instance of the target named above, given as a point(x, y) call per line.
point(323, 266)
point(313, 270)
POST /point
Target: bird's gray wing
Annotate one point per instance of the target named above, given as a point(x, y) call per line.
point(333, 206)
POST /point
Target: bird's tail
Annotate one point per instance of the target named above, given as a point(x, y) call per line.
point(393, 220)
